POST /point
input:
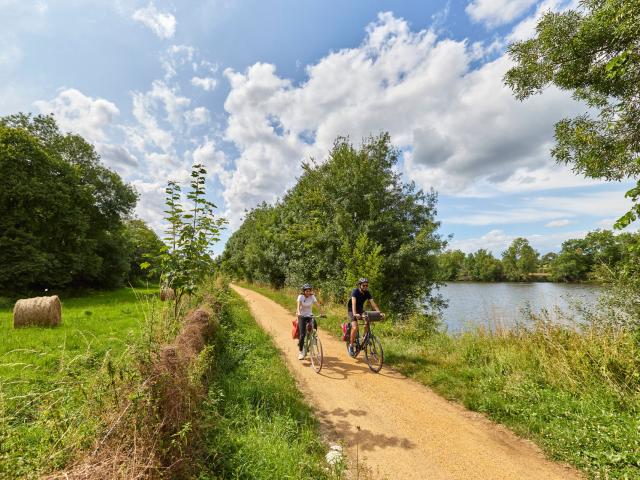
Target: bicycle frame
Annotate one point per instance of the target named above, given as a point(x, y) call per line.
point(365, 338)
point(313, 345)
point(374, 354)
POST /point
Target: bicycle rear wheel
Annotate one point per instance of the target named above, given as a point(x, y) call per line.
point(373, 354)
point(315, 352)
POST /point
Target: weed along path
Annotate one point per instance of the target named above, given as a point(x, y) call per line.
point(401, 429)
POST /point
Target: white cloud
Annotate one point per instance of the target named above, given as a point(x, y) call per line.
point(76, 112)
point(461, 128)
point(493, 13)
point(495, 241)
point(196, 117)
point(559, 223)
point(557, 211)
point(597, 204)
point(162, 113)
point(151, 202)
point(206, 83)
point(506, 216)
point(163, 24)
point(527, 27)
point(175, 57)
point(118, 156)
point(212, 158)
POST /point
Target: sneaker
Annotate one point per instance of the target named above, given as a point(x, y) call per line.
point(352, 351)
point(300, 356)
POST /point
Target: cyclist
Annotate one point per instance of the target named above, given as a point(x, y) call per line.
point(355, 308)
point(305, 302)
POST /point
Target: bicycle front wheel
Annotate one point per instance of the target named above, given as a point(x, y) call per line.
point(315, 352)
point(373, 354)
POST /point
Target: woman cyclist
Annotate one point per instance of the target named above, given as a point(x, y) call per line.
point(305, 301)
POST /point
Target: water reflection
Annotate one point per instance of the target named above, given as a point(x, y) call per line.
point(502, 304)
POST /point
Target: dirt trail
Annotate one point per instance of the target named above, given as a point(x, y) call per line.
point(402, 429)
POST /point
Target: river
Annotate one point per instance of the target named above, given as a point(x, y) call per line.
point(501, 304)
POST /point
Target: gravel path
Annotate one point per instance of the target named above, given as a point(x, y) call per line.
point(402, 430)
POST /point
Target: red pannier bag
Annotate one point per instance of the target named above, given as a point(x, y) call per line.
point(295, 329)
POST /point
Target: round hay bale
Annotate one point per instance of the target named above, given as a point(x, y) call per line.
point(167, 293)
point(37, 311)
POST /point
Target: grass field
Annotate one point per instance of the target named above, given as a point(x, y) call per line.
point(575, 394)
point(257, 425)
point(54, 381)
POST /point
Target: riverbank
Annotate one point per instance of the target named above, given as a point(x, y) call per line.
point(576, 394)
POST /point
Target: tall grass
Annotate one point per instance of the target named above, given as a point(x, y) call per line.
point(573, 389)
point(256, 424)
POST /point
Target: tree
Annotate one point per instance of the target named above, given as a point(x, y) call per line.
point(573, 263)
point(450, 264)
point(141, 242)
point(591, 257)
point(592, 52)
point(486, 268)
point(43, 227)
point(546, 261)
point(349, 216)
point(185, 260)
point(519, 260)
point(64, 210)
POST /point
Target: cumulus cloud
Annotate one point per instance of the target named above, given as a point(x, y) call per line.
point(95, 119)
point(493, 13)
point(162, 113)
point(196, 117)
point(163, 24)
point(458, 125)
point(118, 155)
point(206, 83)
point(212, 158)
point(79, 113)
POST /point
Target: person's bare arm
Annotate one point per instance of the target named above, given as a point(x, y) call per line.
point(373, 304)
point(353, 307)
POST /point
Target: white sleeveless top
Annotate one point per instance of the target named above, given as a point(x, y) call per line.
point(306, 303)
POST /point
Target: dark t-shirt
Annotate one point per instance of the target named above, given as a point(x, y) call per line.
point(360, 299)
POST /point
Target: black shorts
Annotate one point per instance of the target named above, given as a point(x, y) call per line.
point(351, 317)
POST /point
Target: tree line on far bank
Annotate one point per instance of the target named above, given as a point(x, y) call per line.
point(599, 256)
point(66, 219)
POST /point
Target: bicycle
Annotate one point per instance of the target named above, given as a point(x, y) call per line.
point(312, 344)
point(373, 353)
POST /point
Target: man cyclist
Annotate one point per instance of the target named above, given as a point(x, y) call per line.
point(305, 302)
point(355, 308)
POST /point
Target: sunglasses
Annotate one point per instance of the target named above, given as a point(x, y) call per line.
point(365, 285)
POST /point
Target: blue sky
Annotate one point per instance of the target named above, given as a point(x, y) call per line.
point(252, 88)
